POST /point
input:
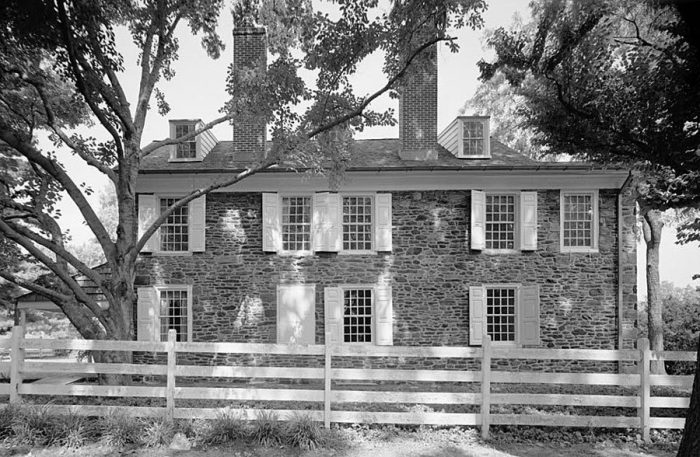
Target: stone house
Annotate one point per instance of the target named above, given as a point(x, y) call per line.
point(429, 239)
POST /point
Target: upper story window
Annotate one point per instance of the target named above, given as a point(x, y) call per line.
point(174, 313)
point(174, 233)
point(296, 224)
point(500, 222)
point(579, 221)
point(186, 149)
point(357, 223)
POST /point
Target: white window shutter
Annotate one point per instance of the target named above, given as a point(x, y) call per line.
point(147, 316)
point(198, 209)
point(333, 304)
point(528, 221)
point(529, 315)
point(382, 222)
point(148, 213)
point(478, 221)
point(326, 221)
point(383, 317)
point(271, 236)
point(477, 312)
point(296, 312)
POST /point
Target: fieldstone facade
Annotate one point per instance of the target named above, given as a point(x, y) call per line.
point(429, 270)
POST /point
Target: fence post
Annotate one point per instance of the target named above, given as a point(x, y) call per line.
point(16, 363)
point(327, 382)
point(170, 380)
point(644, 387)
point(485, 386)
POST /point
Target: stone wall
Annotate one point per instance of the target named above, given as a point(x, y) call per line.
point(430, 271)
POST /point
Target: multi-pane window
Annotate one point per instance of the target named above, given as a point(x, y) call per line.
point(357, 223)
point(500, 313)
point(173, 313)
point(577, 221)
point(473, 138)
point(187, 149)
point(174, 233)
point(296, 223)
point(500, 222)
point(357, 315)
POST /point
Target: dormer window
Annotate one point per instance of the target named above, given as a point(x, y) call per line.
point(186, 149)
point(194, 149)
point(467, 137)
point(472, 138)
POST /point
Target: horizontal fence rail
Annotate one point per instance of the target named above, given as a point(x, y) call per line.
point(481, 389)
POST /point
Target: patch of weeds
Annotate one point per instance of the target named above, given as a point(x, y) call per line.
point(118, 429)
point(158, 432)
point(7, 418)
point(303, 432)
point(33, 426)
point(267, 430)
point(75, 431)
point(228, 426)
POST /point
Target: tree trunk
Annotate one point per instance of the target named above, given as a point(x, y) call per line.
point(113, 357)
point(653, 225)
point(690, 444)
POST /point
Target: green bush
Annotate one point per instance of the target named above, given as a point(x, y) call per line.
point(7, 419)
point(117, 429)
point(303, 432)
point(227, 427)
point(267, 429)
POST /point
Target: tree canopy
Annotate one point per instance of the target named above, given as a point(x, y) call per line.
point(61, 69)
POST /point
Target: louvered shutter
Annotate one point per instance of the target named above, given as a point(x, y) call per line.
point(529, 315)
point(271, 236)
point(326, 222)
point(478, 221)
point(148, 213)
point(147, 316)
point(333, 304)
point(477, 311)
point(528, 221)
point(198, 209)
point(382, 206)
point(296, 310)
point(384, 317)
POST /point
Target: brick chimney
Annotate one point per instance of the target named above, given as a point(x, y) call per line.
point(249, 53)
point(418, 108)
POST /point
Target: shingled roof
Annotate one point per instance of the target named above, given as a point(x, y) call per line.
point(366, 154)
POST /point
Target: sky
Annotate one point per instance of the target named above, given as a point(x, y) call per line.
point(198, 91)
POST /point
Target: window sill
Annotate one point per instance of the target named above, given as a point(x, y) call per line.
point(579, 250)
point(295, 253)
point(500, 251)
point(357, 252)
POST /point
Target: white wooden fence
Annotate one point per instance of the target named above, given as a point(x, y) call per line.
point(335, 390)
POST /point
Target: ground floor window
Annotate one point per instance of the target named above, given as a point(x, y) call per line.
point(174, 304)
point(500, 313)
point(357, 315)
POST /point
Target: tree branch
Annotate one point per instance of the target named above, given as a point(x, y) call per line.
point(43, 291)
point(57, 172)
point(82, 87)
point(390, 83)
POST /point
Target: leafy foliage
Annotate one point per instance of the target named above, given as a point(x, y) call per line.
point(118, 430)
point(681, 323)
